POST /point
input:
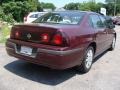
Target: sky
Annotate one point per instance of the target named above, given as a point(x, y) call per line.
point(61, 3)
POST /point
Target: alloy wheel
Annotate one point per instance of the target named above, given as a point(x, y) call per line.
point(89, 59)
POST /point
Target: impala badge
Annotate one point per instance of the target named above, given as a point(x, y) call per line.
point(29, 36)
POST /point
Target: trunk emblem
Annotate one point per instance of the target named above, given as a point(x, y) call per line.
point(29, 36)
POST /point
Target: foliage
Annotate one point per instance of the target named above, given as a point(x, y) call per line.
point(6, 17)
point(39, 7)
point(15, 10)
point(72, 6)
point(89, 6)
point(110, 4)
point(93, 6)
point(18, 10)
point(47, 6)
point(5, 32)
point(112, 1)
point(85, 6)
point(110, 8)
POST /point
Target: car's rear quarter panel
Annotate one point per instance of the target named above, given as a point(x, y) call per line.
point(81, 35)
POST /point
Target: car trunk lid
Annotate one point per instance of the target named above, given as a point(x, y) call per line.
point(38, 33)
point(32, 33)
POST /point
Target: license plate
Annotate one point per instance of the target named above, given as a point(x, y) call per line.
point(26, 50)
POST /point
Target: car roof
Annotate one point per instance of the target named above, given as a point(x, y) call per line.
point(75, 11)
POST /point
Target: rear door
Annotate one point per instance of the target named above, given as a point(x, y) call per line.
point(100, 32)
point(109, 31)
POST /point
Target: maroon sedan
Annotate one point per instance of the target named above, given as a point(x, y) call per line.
point(64, 39)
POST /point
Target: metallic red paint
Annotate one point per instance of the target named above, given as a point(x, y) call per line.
point(78, 38)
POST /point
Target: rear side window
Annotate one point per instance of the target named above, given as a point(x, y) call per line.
point(103, 20)
point(96, 21)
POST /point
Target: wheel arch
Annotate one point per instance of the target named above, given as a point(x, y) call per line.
point(93, 44)
point(115, 35)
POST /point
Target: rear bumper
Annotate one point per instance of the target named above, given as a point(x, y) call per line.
point(52, 57)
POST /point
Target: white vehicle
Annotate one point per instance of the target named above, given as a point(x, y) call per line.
point(33, 16)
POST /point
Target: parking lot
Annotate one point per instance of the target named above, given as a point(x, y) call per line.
point(18, 75)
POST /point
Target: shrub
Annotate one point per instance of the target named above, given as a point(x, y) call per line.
point(4, 33)
point(7, 18)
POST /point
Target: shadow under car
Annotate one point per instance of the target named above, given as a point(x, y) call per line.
point(43, 74)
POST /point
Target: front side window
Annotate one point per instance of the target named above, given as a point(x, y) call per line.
point(60, 18)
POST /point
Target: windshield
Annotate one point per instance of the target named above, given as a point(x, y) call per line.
point(61, 18)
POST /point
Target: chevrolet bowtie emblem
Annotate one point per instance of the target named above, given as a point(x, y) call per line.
point(29, 36)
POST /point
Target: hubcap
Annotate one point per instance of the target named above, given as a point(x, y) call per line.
point(89, 59)
point(113, 43)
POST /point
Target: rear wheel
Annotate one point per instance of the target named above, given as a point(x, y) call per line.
point(113, 44)
point(87, 61)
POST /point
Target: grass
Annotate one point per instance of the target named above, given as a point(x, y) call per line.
point(4, 33)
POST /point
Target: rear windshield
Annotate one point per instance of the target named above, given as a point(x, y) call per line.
point(61, 18)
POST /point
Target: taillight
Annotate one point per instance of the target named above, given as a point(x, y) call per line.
point(17, 34)
point(57, 39)
point(45, 37)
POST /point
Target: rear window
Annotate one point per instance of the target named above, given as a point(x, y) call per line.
point(61, 18)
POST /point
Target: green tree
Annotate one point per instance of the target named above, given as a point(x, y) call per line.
point(72, 6)
point(85, 6)
point(39, 7)
point(110, 6)
point(19, 8)
point(47, 6)
point(7, 18)
point(112, 1)
point(118, 9)
point(90, 6)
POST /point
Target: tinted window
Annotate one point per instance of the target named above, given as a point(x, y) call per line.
point(96, 21)
point(103, 24)
point(61, 18)
point(109, 21)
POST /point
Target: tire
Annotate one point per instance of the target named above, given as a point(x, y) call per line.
point(112, 46)
point(87, 60)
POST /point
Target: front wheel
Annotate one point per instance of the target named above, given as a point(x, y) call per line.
point(87, 61)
